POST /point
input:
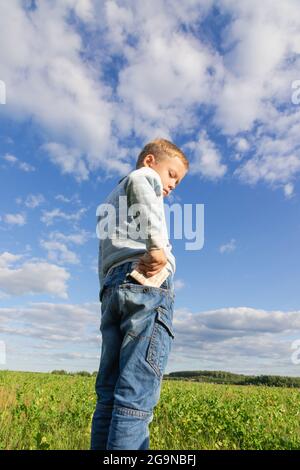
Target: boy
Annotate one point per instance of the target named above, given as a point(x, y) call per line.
point(136, 320)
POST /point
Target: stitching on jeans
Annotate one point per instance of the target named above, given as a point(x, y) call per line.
point(137, 336)
point(151, 353)
point(164, 320)
point(140, 289)
point(132, 412)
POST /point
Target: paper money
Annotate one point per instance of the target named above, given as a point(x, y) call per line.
point(153, 281)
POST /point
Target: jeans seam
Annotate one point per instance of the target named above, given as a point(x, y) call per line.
point(150, 355)
point(132, 412)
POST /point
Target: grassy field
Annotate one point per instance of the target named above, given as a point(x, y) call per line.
point(47, 411)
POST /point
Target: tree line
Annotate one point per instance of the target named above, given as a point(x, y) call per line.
point(224, 377)
point(216, 377)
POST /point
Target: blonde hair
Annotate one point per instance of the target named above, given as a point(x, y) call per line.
point(161, 148)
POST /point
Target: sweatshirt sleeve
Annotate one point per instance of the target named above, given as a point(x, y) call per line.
point(144, 189)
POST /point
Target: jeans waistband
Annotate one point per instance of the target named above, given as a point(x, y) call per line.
point(118, 275)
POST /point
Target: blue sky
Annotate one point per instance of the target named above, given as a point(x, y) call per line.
point(88, 85)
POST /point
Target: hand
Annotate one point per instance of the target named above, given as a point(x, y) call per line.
point(152, 262)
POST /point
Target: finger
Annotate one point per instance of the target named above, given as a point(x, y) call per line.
point(152, 273)
point(149, 266)
point(146, 271)
point(141, 269)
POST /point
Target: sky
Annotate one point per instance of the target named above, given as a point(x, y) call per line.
point(84, 85)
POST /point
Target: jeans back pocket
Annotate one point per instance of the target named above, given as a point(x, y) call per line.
point(160, 342)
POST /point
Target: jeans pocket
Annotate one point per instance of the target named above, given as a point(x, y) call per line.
point(130, 280)
point(160, 342)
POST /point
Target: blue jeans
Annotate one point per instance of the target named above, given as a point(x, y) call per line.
point(137, 335)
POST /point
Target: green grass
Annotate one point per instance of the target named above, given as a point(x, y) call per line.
point(47, 411)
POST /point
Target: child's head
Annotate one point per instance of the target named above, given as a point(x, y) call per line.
point(167, 160)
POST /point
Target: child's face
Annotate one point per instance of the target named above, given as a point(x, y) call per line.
point(171, 171)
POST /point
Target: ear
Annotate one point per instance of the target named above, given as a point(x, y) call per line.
point(150, 159)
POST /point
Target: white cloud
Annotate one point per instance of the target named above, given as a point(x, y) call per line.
point(276, 159)
point(259, 39)
point(262, 61)
point(164, 72)
point(288, 190)
point(16, 162)
point(240, 339)
point(61, 197)
point(10, 158)
point(15, 219)
point(250, 85)
point(34, 200)
point(242, 144)
point(52, 323)
point(179, 284)
point(233, 322)
point(207, 158)
point(59, 252)
point(49, 217)
point(31, 277)
point(7, 259)
point(26, 167)
point(49, 80)
point(228, 247)
point(69, 160)
point(62, 91)
point(78, 238)
point(74, 198)
point(269, 168)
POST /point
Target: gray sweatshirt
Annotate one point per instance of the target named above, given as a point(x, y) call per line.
point(114, 217)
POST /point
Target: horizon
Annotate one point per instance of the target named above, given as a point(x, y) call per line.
point(165, 374)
